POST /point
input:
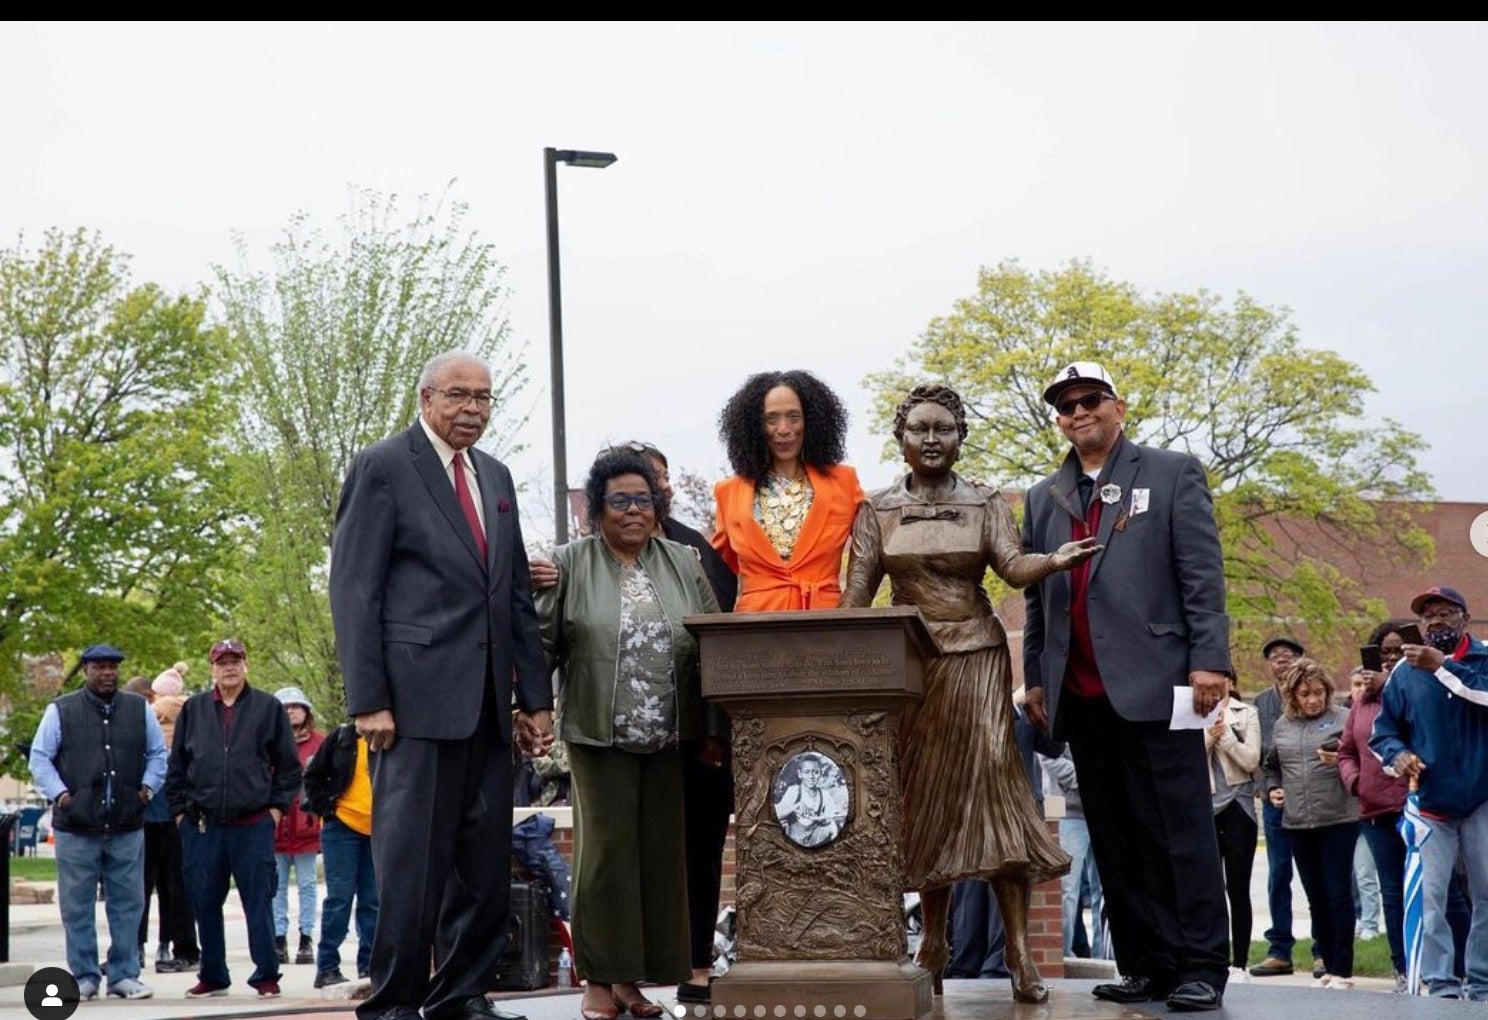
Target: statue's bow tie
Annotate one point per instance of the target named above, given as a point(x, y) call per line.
point(929, 513)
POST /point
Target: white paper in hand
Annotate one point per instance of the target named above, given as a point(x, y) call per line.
point(1184, 716)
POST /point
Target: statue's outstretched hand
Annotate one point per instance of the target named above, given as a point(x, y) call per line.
point(1072, 553)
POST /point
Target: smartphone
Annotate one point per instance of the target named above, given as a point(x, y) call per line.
point(1369, 657)
point(1329, 745)
point(1410, 634)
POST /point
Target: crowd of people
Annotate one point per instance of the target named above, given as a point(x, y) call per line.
point(449, 639)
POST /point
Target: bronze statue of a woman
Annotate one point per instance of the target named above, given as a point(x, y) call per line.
point(969, 809)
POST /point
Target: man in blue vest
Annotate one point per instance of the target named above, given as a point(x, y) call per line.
point(99, 757)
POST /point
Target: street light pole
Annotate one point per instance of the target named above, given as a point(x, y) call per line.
point(551, 159)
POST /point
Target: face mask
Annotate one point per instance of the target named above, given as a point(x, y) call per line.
point(1444, 640)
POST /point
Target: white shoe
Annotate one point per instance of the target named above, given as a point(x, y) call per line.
point(1239, 975)
point(1323, 982)
point(1341, 984)
point(130, 988)
point(87, 990)
point(1366, 934)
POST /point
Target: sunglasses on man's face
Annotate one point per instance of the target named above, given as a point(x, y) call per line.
point(1089, 401)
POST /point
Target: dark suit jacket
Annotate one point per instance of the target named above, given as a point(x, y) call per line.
point(1156, 601)
point(421, 623)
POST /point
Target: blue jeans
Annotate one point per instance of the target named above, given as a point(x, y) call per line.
point(1279, 885)
point(349, 874)
point(1366, 889)
point(304, 867)
point(1389, 860)
point(1074, 838)
point(1438, 858)
point(118, 860)
point(244, 854)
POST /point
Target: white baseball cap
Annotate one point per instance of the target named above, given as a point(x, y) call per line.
point(1079, 372)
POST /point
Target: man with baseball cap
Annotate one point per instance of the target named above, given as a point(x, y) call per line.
point(1433, 728)
point(99, 757)
point(233, 774)
point(1105, 644)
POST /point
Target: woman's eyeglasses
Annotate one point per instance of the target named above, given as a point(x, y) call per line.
point(623, 501)
point(1089, 401)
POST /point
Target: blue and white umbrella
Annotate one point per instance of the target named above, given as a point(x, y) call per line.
point(1415, 831)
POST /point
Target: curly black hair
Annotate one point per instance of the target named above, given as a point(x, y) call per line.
point(931, 393)
point(612, 464)
point(1379, 633)
point(741, 423)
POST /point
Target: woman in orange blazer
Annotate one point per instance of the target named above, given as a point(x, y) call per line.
point(785, 516)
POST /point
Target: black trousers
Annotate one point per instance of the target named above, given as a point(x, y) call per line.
point(1237, 834)
point(441, 848)
point(163, 875)
point(708, 800)
point(1145, 790)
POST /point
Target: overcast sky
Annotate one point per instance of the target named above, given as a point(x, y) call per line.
point(807, 195)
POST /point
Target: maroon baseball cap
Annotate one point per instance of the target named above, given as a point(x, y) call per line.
point(1442, 592)
point(227, 646)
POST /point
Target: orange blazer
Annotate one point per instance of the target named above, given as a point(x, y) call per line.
point(809, 579)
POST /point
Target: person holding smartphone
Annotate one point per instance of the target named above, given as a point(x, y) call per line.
point(1321, 817)
point(1433, 728)
point(1233, 744)
point(1381, 795)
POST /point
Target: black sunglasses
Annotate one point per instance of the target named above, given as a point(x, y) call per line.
point(1089, 401)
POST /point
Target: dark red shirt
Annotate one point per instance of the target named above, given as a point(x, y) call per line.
point(1081, 675)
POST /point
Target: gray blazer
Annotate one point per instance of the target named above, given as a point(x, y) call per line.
point(421, 624)
point(1156, 600)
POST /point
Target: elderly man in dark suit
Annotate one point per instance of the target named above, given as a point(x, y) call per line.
point(1104, 646)
point(435, 628)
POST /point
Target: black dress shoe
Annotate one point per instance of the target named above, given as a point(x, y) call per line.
point(1195, 997)
point(1134, 989)
point(478, 1007)
point(695, 993)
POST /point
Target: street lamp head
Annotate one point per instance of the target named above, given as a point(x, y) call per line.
point(577, 157)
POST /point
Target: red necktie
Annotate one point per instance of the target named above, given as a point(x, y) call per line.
point(467, 504)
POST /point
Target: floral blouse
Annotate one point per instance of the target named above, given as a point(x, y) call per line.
point(645, 690)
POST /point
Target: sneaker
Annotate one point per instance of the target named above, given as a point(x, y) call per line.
point(306, 952)
point(330, 977)
point(1272, 966)
point(1340, 984)
point(268, 989)
point(171, 966)
point(130, 988)
point(205, 989)
point(87, 990)
point(1366, 934)
point(1239, 975)
point(1402, 984)
point(1323, 981)
point(1319, 968)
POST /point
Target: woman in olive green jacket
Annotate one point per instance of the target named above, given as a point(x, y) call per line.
point(629, 691)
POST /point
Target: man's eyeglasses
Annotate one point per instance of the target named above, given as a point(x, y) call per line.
point(460, 398)
point(623, 501)
point(1089, 401)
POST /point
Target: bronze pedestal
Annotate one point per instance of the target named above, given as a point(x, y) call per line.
point(815, 699)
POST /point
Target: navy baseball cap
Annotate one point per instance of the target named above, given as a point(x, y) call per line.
point(1442, 592)
point(102, 653)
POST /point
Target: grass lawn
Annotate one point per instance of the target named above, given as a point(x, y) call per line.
point(38, 869)
point(1371, 958)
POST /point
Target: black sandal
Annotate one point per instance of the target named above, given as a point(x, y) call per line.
point(689, 992)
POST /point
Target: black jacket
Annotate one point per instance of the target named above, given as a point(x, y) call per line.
point(257, 770)
point(328, 773)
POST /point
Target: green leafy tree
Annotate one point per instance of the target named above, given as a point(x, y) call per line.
point(332, 339)
point(113, 521)
point(1302, 481)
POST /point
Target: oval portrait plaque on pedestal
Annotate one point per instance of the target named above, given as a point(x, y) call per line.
point(812, 799)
